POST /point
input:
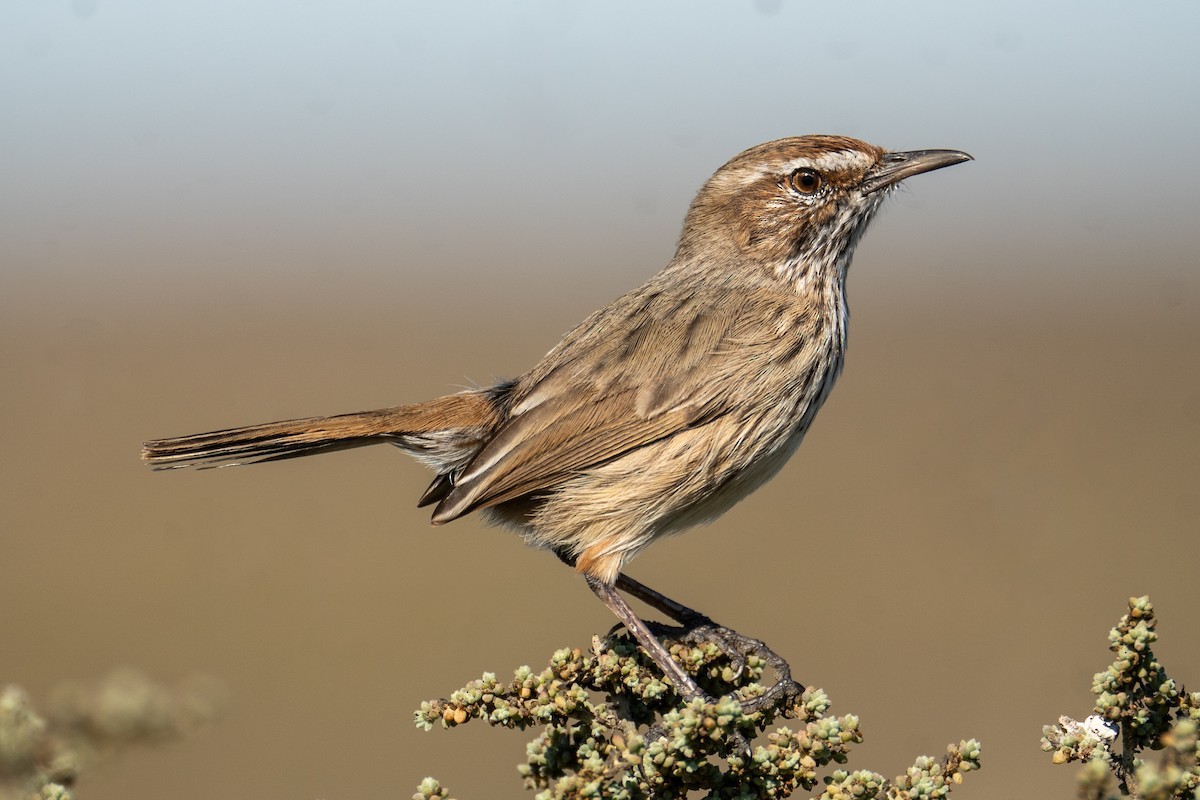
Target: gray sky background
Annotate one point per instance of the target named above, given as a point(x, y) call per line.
point(152, 149)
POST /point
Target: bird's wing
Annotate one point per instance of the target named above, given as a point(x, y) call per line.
point(622, 380)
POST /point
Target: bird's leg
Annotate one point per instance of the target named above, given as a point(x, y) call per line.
point(700, 629)
point(697, 629)
point(675, 610)
point(684, 685)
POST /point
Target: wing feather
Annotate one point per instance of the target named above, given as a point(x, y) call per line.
point(602, 394)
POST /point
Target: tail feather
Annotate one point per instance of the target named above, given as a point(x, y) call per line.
point(268, 442)
point(444, 433)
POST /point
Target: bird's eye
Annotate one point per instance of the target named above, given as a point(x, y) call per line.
point(806, 181)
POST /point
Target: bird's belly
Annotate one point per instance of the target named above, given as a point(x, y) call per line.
point(736, 486)
point(607, 513)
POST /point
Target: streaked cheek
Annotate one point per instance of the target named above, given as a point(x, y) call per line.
point(822, 214)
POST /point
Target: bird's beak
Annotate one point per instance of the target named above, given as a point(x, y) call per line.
point(895, 167)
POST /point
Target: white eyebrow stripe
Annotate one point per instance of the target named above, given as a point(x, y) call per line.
point(836, 161)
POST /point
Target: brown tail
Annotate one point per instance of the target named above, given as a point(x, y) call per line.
point(444, 433)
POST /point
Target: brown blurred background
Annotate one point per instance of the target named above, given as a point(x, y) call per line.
point(226, 215)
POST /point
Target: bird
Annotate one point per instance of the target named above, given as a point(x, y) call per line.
point(664, 408)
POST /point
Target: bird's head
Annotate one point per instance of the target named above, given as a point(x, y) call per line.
point(802, 201)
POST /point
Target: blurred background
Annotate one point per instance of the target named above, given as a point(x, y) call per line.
point(215, 214)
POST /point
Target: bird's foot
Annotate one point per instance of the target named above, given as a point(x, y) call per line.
point(739, 649)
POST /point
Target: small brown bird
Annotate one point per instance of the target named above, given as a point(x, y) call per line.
point(662, 409)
